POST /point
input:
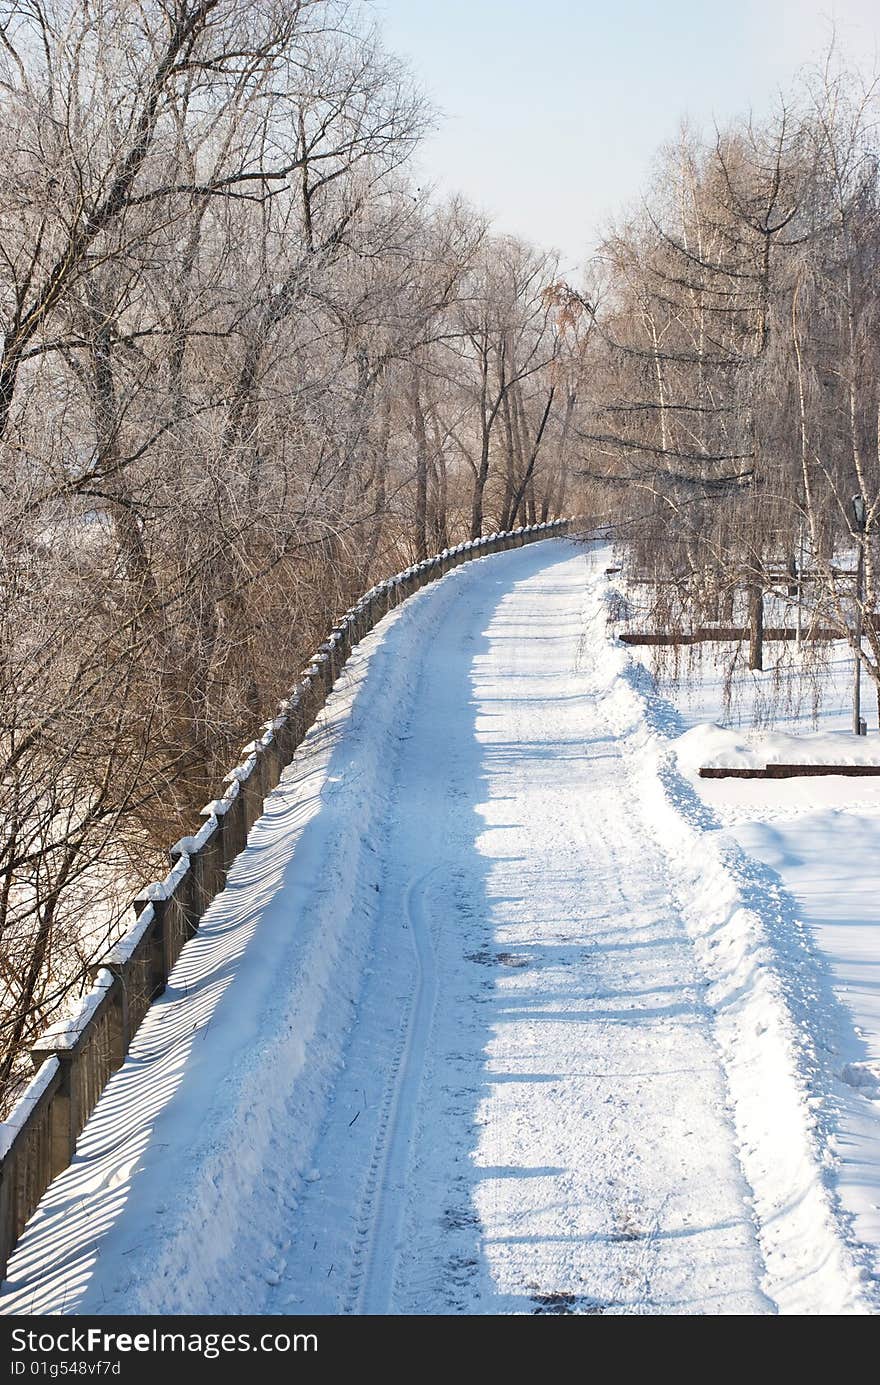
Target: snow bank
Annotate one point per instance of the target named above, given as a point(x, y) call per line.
point(825, 860)
point(764, 1033)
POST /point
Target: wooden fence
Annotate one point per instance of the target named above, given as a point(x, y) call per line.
point(706, 634)
point(75, 1059)
point(781, 771)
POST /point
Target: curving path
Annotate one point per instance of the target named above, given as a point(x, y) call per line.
point(442, 1045)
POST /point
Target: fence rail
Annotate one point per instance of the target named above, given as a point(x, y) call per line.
point(731, 634)
point(75, 1059)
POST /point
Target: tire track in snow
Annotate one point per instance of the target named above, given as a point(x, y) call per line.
point(381, 1214)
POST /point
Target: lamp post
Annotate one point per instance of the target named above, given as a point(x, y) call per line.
point(858, 505)
point(799, 614)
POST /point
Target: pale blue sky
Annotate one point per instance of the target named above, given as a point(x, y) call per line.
point(553, 109)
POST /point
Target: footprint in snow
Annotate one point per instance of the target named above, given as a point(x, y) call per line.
point(863, 1078)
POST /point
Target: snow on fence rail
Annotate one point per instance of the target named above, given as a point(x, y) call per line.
point(75, 1059)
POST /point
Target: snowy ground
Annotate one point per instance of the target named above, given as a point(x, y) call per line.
point(813, 846)
point(491, 1018)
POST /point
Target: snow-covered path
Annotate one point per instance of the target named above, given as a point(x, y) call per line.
point(543, 1126)
point(443, 1044)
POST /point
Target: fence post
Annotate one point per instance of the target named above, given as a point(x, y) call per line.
point(63, 1127)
